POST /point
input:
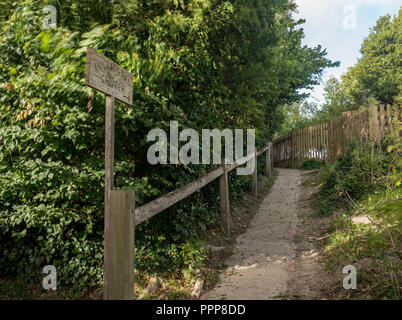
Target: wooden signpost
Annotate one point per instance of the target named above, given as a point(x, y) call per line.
point(104, 75)
point(108, 77)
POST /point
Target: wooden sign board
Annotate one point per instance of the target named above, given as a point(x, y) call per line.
point(104, 75)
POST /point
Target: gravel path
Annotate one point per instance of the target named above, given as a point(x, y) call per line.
point(264, 255)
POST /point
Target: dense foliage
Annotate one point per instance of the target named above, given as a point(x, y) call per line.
point(205, 63)
point(365, 169)
point(312, 164)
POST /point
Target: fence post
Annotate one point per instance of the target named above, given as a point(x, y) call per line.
point(109, 184)
point(331, 156)
point(254, 190)
point(293, 149)
point(271, 153)
point(373, 120)
point(268, 160)
point(382, 122)
point(224, 195)
point(119, 245)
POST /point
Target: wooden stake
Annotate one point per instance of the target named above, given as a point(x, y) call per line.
point(254, 190)
point(382, 122)
point(267, 161)
point(119, 224)
point(271, 157)
point(119, 242)
point(225, 203)
point(293, 150)
point(109, 184)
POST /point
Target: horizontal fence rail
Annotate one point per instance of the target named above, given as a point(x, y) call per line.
point(154, 207)
point(329, 141)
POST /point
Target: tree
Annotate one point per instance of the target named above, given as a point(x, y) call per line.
point(336, 101)
point(378, 73)
point(298, 115)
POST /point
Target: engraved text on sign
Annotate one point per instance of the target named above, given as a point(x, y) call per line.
point(108, 77)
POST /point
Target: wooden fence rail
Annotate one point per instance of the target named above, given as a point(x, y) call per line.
point(329, 141)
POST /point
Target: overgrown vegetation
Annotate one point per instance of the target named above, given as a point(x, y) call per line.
point(312, 164)
point(364, 189)
point(207, 64)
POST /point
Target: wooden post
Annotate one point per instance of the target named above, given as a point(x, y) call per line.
point(373, 122)
point(254, 190)
point(300, 148)
point(268, 160)
point(327, 145)
point(119, 224)
point(331, 155)
point(293, 149)
point(109, 184)
point(382, 121)
point(225, 203)
point(271, 148)
point(305, 144)
point(302, 145)
point(321, 141)
point(119, 245)
point(389, 118)
point(313, 138)
point(119, 205)
point(310, 142)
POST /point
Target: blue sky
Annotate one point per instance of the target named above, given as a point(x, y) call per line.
point(340, 26)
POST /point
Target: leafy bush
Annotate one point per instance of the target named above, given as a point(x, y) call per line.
point(361, 171)
point(312, 164)
point(193, 253)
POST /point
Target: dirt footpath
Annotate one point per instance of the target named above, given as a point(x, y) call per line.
point(266, 263)
point(310, 279)
point(259, 267)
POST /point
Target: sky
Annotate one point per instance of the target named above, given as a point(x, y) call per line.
point(340, 26)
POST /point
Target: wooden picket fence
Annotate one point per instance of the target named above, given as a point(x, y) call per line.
point(329, 141)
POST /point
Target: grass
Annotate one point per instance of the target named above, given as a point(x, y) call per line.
point(374, 248)
point(377, 262)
